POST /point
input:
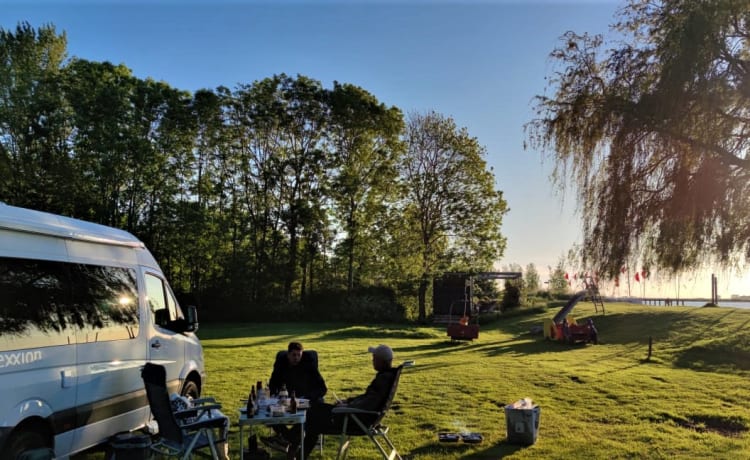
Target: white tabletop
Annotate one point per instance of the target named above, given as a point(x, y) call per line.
point(264, 418)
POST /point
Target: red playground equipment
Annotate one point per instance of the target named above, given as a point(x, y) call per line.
point(465, 328)
point(453, 301)
point(565, 329)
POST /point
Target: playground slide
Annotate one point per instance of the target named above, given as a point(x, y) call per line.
point(563, 313)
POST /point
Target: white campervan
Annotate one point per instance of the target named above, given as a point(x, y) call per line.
point(82, 308)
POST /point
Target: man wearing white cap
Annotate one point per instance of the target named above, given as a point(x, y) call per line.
point(321, 420)
point(380, 387)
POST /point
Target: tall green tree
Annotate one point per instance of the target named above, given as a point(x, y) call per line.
point(35, 160)
point(205, 239)
point(303, 111)
point(655, 133)
point(100, 95)
point(364, 137)
point(450, 198)
point(250, 168)
point(278, 167)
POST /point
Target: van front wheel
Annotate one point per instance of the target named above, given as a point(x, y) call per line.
point(190, 390)
point(25, 440)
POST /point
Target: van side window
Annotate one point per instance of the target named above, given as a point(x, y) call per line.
point(161, 301)
point(47, 303)
point(107, 298)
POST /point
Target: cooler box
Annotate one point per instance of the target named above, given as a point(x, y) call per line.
point(522, 422)
point(131, 446)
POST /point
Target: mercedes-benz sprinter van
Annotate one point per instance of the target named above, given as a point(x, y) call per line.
point(82, 308)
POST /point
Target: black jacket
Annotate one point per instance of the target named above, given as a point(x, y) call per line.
point(304, 378)
point(376, 393)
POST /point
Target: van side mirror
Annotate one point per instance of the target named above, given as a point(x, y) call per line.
point(191, 318)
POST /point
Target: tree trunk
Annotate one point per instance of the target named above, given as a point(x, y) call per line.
point(423, 285)
point(350, 262)
point(291, 271)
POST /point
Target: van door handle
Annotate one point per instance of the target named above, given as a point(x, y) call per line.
point(156, 344)
point(67, 378)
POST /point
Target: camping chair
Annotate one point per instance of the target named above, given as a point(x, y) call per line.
point(185, 432)
point(354, 424)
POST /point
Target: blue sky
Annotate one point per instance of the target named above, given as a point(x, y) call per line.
point(479, 62)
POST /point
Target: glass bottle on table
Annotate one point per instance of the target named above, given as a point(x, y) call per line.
point(283, 396)
point(260, 392)
point(292, 403)
point(255, 400)
point(250, 408)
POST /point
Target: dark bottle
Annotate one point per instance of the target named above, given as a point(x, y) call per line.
point(292, 403)
point(254, 396)
point(250, 409)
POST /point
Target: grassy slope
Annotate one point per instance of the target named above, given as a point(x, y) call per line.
point(603, 401)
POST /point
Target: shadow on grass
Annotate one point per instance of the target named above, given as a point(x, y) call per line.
point(726, 426)
point(250, 342)
point(532, 346)
point(218, 331)
point(359, 332)
point(461, 450)
point(444, 345)
point(716, 357)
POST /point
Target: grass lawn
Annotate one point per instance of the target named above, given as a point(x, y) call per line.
point(601, 401)
point(597, 401)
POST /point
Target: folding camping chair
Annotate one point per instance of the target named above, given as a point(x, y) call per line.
point(355, 424)
point(185, 432)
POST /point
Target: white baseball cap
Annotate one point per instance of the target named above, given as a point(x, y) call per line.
point(382, 352)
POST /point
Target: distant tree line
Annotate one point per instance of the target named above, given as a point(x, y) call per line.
point(274, 199)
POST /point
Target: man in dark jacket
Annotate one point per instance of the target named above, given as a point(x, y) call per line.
point(298, 372)
point(320, 418)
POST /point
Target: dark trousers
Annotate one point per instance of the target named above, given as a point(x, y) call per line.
point(321, 420)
